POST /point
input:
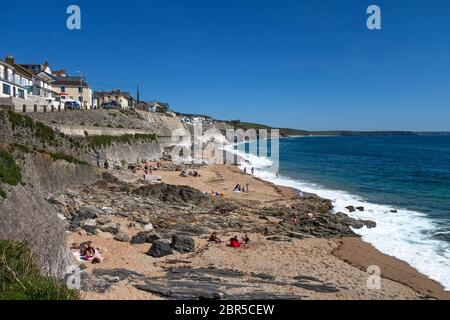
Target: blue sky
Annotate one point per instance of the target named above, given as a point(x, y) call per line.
point(304, 64)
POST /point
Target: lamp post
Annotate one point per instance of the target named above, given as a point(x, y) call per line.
point(81, 86)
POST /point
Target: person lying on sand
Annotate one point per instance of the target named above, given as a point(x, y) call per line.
point(214, 238)
point(86, 250)
point(246, 239)
point(234, 242)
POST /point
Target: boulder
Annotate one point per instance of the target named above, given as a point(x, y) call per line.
point(160, 248)
point(89, 212)
point(350, 208)
point(89, 226)
point(145, 237)
point(122, 236)
point(393, 211)
point(148, 227)
point(360, 208)
point(110, 227)
point(104, 219)
point(182, 243)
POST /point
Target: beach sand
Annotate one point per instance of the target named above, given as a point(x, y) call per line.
point(324, 263)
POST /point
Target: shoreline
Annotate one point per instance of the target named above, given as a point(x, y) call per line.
point(391, 268)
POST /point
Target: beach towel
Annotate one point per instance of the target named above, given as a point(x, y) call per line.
point(81, 258)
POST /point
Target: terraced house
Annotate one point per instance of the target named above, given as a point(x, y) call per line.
point(14, 83)
point(72, 88)
point(123, 99)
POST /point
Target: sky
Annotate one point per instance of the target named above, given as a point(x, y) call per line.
point(310, 65)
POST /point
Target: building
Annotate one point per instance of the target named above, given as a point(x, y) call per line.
point(42, 77)
point(123, 99)
point(14, 83)
point(72, 88)
point(153, 106)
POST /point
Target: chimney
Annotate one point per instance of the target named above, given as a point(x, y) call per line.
point(10, 60)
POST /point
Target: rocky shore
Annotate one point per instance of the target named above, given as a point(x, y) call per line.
point(154, 238)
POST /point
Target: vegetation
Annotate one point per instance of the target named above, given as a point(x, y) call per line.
point(99, 142)
point(10, 172)
point(40, 130)
point(20, 278)
point(61, 156)
point(21, 147)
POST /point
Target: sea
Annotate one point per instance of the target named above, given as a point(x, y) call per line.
point(403, 183)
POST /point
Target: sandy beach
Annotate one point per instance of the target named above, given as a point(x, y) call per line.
point(312, 268)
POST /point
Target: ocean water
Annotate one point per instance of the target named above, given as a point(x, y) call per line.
point(410, 174)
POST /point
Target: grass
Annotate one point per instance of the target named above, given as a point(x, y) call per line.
point(20, 278)
point(99, 142)
point(21, 147)
point(2, 193)
point(10, 172)
point(40, 130)
point(61, 156)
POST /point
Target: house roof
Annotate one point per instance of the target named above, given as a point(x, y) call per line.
point(112, 93)
point(70, 81)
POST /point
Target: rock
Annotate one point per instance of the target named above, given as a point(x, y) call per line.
point(104, 219)
point(89, 226)
point(182, 243)
point(279, 238)
point(82, 233)
point(110, 227)
point(360, 208)
point(122, 236)
point(62, 217)
point(350, 208)
point(393, 211)
point(145, 237)
point(148, 227)
point(89, 212)
point(160, 248)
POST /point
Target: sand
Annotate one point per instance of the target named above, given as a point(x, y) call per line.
point(338, 263)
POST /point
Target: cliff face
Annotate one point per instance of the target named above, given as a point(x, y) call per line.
point(26, 215)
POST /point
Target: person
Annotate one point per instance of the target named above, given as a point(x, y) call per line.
point(106, 164)
point(234, 242)
point(86, 250)
point(183, 174)
point(247, 187)
point(253, 170)
point(214, 238)
point(245, 170)
point(309, 215)
point(98, 159)
point(246, 239)
point(237, 188)
point(295, 221)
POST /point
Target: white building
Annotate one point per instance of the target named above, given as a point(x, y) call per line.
point(14, 83)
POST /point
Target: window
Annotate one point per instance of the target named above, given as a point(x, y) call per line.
point(21, 93)
point(80, 89)
point(63, 89)
point(80, 98)
point(6, 89)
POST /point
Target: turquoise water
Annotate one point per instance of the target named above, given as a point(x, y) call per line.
point(406, 174)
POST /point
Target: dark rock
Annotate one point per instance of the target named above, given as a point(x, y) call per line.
point(89, 226)
point(175, 194)
point(350, 208)
point(360, 208)
point(182, 243)
point(393, 211)
point(160, 248)
point(145, 237)
point(189, 229)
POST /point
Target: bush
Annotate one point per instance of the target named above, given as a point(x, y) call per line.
point(20, 278)
point(10, 172)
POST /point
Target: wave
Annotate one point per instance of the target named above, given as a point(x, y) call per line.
point(404, 234)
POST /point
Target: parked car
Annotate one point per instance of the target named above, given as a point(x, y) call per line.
point(72, 105)
point(110, 106)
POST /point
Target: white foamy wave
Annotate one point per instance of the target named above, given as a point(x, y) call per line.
point(404, 235)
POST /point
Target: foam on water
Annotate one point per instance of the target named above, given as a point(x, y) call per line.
point(404, 235)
